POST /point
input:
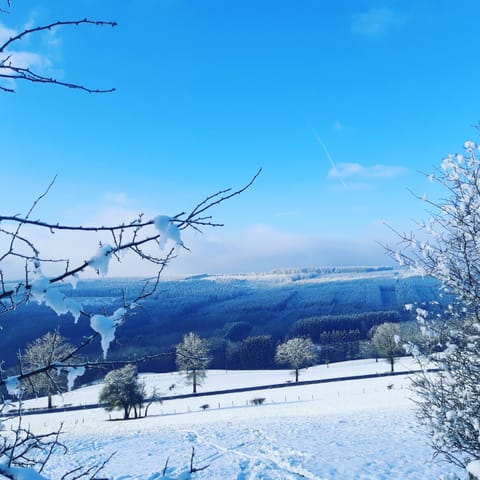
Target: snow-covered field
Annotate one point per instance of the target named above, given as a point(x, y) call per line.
point(358, 430)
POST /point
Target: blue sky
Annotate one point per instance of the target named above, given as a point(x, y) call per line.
point(208, 92)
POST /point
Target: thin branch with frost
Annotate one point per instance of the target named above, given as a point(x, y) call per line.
point(136, 237)
point(65, 363)
point(26, 450)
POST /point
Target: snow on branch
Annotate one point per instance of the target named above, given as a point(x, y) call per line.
point(137, 237)
point(447, 247)
point(143, 239)
point(105, 326)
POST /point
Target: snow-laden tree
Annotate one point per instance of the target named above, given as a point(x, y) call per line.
point(297, 353)
point(193, 358)
point(123, 390)
point(49, 348)
point(386, 341)
point(447, 247)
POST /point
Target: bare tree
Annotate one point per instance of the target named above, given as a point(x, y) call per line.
point(387, 342)
point(13, 69)
point(448, 249)
point(46, 350)
point(192, 357)
point(297, 353)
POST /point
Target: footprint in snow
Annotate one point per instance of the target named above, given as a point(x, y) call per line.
point(244, 470)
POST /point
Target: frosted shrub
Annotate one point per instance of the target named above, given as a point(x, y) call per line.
point(447, 247)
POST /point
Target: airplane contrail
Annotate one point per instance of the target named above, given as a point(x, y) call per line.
point(330, 159)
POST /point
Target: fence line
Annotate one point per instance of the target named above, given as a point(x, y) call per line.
point(36, 411)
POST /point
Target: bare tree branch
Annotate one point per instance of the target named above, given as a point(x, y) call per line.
point(12, 71)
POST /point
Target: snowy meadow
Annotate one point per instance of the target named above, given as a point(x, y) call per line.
point(357, 429)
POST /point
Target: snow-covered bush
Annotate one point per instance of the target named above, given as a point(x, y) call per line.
point(448, 249)
point(124, 391)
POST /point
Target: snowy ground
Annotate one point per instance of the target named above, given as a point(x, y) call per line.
point(358, 430)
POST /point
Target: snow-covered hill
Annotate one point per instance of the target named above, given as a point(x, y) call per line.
point(354, 430)
point(270, 302)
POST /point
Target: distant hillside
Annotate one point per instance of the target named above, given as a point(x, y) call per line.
point(209, 304)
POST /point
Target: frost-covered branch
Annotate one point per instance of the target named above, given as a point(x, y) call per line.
point(136, 237)
point(23, 449)
point(23, 452)
point(447, 247)
point(143, 239)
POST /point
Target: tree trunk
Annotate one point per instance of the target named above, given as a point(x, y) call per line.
point(392, 361)
point(49, 401)
point(296, 375)
point(194, 381)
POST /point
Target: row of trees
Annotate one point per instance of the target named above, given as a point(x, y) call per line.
point(316, 326)
point(123, 390)
point(243, 351)
point(193, 354)
point(193, 357)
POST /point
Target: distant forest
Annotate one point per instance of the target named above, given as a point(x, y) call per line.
point(243, 319)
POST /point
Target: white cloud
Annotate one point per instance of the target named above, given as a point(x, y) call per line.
point(262, 248)
point(358, 171)
point(28, 60)
point(5, 33)
point(259, 248)
point(376, 22)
